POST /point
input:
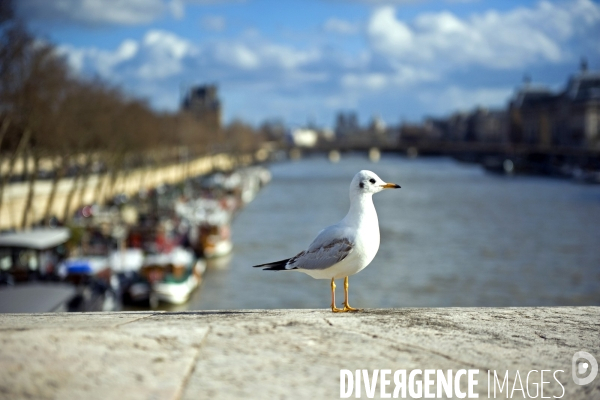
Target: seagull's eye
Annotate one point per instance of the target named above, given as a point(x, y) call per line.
point(372, 180)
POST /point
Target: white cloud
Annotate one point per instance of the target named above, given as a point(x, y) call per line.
point(213, 23)
point(496, 40)
point(127, 50)
point(101, 61)
point(389, 2)
point(255, 53)
point(432, 63)
point(388, 35)
point(403, 76)
point(164, 43)
point(163, 54)
point(107, 12)
point(177, 8)
point(286, 57)
point(372, 81)
point(454, 98)
point(341, 102)
point(94, 12)
point(339, 26)
point(237, 55)
point(159, 54)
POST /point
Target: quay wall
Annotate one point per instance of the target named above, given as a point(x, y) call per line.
point(98, 187)
point(290, 354)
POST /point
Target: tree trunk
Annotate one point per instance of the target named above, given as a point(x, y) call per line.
point(58, 174)
point(3, 130)
point(70, 195)
point(102, 178)
point(188, 165)
point(24, 140)
point(146, 169)
point(98, 188)
point(106, 185)
point(114, 176)
point(85, 177)
point(30, 192)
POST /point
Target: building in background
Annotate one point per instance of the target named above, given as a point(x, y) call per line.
point(304, 137)
point(535, 116)
point(202, 102)
point(489, 126)
point(346, 124)
point(580, 109)
point(571, 117)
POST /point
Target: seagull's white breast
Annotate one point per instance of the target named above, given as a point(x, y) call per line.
point(367, 242)
point(365, 227)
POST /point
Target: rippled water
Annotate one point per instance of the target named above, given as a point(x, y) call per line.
point(454, 235)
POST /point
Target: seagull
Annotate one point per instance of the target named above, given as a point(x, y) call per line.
point(347, 247)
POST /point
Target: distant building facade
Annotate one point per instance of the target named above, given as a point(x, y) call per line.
point(489, 126)
point(571, 117)
point(203, 102)
point(535, 116)
point(480, 125)
point(346, 124)
point(304, 137)
point(582, 102)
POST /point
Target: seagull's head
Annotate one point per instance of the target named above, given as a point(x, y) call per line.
point(367, 182)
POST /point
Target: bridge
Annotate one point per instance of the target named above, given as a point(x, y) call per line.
point(505, 157)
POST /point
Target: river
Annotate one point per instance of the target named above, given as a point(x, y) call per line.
point(453, 235)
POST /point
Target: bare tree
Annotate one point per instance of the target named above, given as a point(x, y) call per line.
point(86, 126)
point(11, 164)
point(32, 176)
point(60, 167)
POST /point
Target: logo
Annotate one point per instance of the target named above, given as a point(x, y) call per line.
point(581, 367)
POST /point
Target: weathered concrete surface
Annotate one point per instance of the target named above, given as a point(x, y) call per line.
point(284, 353)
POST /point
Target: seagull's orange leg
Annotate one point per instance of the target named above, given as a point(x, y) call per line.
point(346, 305)
point(333, 307)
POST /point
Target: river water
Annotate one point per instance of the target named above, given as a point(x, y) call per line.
point(454, 235)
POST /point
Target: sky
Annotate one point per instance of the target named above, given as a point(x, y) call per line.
point(303, 61)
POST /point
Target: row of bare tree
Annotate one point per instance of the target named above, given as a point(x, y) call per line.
point(82, 126)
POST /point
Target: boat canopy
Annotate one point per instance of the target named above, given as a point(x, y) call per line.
point(126, 260)
point(178, 256)
point(38, 239)
point(83, 265)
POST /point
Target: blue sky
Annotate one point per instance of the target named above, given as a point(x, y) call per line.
point(306, 60)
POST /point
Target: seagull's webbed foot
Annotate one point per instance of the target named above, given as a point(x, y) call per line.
point(348, 308)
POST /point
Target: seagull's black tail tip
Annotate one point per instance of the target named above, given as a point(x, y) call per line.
point(273, 266)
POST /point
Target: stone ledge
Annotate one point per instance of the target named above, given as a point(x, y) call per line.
point(282, 353)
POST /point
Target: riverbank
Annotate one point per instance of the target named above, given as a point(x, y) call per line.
point(141, 250)
point(285, 353)
point(102, 186)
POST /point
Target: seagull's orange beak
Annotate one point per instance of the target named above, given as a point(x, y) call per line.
point(390, 186)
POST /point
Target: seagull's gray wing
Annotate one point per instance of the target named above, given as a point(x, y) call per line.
point(331, 246)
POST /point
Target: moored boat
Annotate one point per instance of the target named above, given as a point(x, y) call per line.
point(172, 276)
point(98, 287)
point(32, 255)
point(31, 268)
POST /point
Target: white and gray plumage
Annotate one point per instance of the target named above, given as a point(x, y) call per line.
point(347, 247)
